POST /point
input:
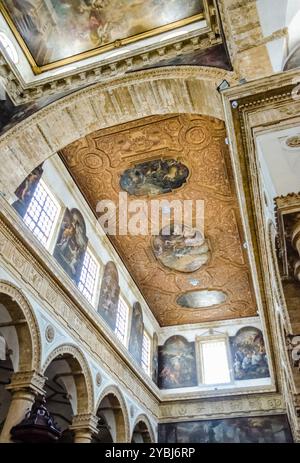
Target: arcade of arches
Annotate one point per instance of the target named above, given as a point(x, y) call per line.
point(117, 324)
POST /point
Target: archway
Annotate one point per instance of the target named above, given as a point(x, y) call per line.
point(68, 388)
point(20, 348)
point(142, 431)
point(181, 89)
point(113, 417)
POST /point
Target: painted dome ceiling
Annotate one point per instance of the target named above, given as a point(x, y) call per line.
point(180, 157)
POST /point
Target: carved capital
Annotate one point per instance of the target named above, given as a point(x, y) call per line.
point(29, 380)
point(85, 422)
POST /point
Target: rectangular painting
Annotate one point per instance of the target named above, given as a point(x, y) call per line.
point(54, 30)
point(177, 364)
point(252, 430)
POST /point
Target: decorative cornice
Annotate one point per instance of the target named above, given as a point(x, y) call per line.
point(222, 408)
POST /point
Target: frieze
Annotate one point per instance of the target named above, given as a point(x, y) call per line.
point(268, 403)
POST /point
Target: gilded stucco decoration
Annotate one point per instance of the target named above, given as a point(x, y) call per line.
point(98, 161)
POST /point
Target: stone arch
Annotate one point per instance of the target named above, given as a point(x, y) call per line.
point(145, 420)
point(180, 89)
point(28, 333)
point(82, 375)
point(113, 390)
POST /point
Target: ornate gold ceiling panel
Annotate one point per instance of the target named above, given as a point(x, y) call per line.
point(97, 163)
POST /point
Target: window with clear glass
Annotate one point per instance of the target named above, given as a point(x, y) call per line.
point(215, 368)
point(122, 321)
point(146, 349)
point(42, 214)
point(88, 277)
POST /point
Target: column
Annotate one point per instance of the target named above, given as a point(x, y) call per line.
point(84, 427)
point(24, 387)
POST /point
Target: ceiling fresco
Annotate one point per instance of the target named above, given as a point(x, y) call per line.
point(57, 30)
point(212, 261)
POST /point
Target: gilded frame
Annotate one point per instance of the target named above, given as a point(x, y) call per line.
point(96, 51)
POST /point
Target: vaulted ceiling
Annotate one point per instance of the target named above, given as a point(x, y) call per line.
point(172, 157)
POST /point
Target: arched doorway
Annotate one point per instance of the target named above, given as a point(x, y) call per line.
point(113, 418)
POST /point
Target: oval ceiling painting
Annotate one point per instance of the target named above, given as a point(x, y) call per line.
point(181, 248)
point(201, 299)
point(154, 177)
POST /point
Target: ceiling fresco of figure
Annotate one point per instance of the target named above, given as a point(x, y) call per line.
point(97, 163)
point(54, 30)
point(154, 177)
point(181, 248)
